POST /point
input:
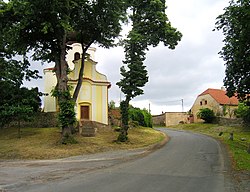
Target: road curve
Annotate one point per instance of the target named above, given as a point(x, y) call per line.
point(188, 163)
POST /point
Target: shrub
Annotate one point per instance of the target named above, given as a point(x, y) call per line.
point(207, 115)
point(147, 118)
point(243, 112)
point(143, 117)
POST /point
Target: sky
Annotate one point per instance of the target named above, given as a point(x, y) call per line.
point(176, 77)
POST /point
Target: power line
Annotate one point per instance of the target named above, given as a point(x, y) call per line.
point(174, 101)
point(170, 101)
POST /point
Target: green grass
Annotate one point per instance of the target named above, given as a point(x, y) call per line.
point(44, 143)
point(237, 147)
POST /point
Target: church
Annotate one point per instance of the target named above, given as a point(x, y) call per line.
point(92, 101)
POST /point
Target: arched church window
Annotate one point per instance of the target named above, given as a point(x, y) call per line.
point(76, 56)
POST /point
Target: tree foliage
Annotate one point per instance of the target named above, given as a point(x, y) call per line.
point(143, 117)
point(243, 111)
point(207, 115)
point(19, 104)
point(135, 117)
point(16, 102)
point(45, 27)
point(150, 26)
point(234, 23)
point(111, 104)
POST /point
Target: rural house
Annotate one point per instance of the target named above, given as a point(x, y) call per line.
point(217, 100)
point(92, 102)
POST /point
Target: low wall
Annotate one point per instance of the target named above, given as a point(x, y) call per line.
point(159, 119)
point(175, 118)
point(40, 120)
point(114, 117)
point(229, 122)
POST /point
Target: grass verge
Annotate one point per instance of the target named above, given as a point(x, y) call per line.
point(237, 147)
point(44, 143)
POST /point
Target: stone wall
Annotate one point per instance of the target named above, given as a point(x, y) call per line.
point(175, 118)
point(115, 117)
point(170, 118)
point(40, 120)
point(159, 120)
point(229, 122)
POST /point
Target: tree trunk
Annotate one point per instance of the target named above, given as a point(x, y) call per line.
point(63, 94)
point(19, 129)
point(65, 100)
point(123, 136)
point(80, 77)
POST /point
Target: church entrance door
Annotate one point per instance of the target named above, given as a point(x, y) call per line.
point(85, 112)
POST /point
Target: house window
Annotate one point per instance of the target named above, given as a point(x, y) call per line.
point(76, 56)
point(205, 102)
point(200, 102)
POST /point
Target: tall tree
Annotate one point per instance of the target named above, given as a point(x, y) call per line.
point(44, 27)
point(19, 104)
point(234, 23)
point(150, 26)
point(16, 102)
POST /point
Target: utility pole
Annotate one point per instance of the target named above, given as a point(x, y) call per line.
point(120, 97)
point(182, 105)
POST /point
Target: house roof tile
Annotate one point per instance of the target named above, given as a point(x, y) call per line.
point(220, 96)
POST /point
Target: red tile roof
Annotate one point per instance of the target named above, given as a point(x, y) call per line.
point(220, 96)
point(116, 113)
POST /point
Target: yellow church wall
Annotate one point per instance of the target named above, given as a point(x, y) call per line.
point(100, 76)
point(94, 89)
point(87, 70)
point(76, 47)
point(104, 105)
point(78, 115)
point(85, 93)
point(90, 71)
point(85, 99)
point(73, 75)
point(49, 100)
point(93, 96)
point(99, 103)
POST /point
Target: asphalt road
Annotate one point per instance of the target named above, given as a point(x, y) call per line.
point(187, 163)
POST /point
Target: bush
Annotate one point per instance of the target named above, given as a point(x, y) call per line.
point(243, 112)
point(147, 118)
point(207, 115)
point(143, 117)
